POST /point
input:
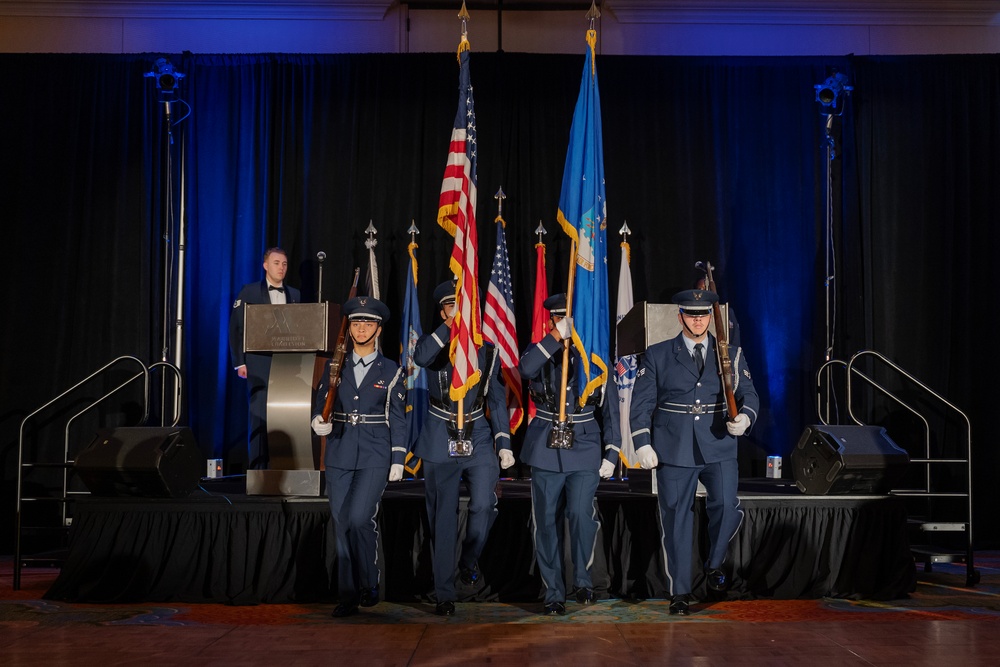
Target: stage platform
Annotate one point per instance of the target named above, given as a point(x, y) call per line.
point(222, 546)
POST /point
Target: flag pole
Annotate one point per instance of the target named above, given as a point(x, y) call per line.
point(464, 17)
point(593, 14)
point(625, 233)
point(569, 314)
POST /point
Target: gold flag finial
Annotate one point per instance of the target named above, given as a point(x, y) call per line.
point(463, 44)
point(593, 14)
point(500, 196)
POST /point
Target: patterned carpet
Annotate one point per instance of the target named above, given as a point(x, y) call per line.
point(940, 595)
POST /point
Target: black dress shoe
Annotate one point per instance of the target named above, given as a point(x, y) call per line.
point(679, 605)
point(555, 609)
point(446, 608)
point(717, 580)
point(345, 609)
point(369, 597)
point(585, 595)
point(469, 577)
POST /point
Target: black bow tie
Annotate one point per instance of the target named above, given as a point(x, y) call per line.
point(276, 289)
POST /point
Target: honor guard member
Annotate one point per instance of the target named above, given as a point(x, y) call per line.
point(445, 464)
point(680, 428)
point(565, 477)
point(255, 367)
point(366, 445)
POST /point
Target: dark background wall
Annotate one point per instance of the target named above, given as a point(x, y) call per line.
point(719, 159)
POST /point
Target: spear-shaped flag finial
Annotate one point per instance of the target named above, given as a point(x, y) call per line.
point(593, 14)
point(500, 196)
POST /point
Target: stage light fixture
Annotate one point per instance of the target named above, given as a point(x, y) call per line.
point(166, 77)
point(830, 92)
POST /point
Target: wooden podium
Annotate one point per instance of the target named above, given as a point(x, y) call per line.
point(293, 333)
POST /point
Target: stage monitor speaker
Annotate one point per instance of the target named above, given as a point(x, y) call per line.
point(150, 461)
point(846, 460)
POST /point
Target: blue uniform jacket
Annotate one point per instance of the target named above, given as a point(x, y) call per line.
point(381, 396)
point(676, 411)
point(255, 293)
point(488, 437)
point(541, 365)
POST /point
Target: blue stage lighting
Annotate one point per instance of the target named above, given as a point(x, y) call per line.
point(830, 92)
point(166, 77)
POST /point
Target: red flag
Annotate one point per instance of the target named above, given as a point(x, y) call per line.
point(457, 215)
point(539, 315)
point(500, 329)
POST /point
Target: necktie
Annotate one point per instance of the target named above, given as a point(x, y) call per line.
point(699, 358)
point(276, 289)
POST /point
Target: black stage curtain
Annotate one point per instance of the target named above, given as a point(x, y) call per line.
point(706, 158)
point(245, 551)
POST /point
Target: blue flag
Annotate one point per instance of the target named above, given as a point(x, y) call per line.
point(417, 401)
point(583, 216)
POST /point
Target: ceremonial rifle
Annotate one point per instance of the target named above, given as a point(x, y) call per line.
point(724, 363)
point(338, 355)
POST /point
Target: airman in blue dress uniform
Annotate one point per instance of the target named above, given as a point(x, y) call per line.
point(366, 447)
point(679, 427)
point(564, 480)
point(255, 367)
point(443, 470)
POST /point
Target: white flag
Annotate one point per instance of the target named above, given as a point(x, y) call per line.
point(625, 367)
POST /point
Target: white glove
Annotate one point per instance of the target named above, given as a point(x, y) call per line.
point(396, 472)
point(607, 469)
point(506, 458)
point(647, 457)
point(739, 425)
point(565, 327)
point(321, 427)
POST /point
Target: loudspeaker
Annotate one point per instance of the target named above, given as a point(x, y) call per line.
point(846, 459)
point(158, 462)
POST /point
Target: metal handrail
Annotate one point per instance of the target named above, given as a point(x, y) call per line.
point(167, 366)
point(852, 372)
point(144, 374)
point(942, 400)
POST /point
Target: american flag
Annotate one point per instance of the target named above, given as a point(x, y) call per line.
point(499, 327)
point(457, 215)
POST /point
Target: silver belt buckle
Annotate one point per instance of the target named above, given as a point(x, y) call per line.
point(697, 409)
point(354, 419)
point(458, 447)
point(561, 435)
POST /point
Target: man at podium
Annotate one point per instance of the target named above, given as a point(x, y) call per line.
point(255, 367)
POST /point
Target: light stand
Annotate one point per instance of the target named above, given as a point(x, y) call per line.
point(167, 79)
point(831, 96)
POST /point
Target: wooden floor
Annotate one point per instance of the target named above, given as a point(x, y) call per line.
point(576, 645)
point(944, 624)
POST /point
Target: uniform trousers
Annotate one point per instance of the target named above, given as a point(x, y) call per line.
point(676, 488)
point(258, 373)
point(554, 496)
point(441, 488)
point(354, 501)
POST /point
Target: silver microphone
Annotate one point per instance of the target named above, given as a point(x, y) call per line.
point(321, 255)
